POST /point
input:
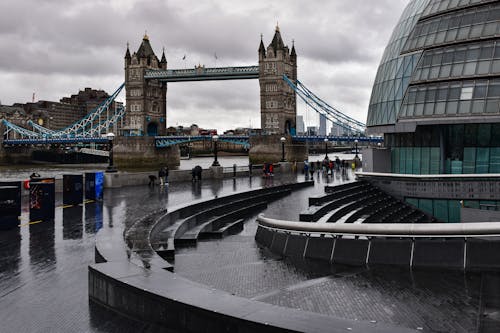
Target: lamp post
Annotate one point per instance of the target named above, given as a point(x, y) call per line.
point(326, 149)
point(214, 139)
point(111, 167)
point(356, 148)
point(283, 140)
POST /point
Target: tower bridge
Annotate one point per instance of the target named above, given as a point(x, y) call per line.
point(146, 81)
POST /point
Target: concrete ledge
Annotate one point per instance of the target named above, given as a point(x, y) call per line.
point(350, 251)
point(170, 301)
point(390, 252)
point(439, 253)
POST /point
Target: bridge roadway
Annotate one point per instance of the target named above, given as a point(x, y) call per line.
point(165, 141)
point(43, 270)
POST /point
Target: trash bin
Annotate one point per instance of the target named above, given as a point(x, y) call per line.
point(10, 204)
point(72, 189)
point(94, 184)
point(42, 199)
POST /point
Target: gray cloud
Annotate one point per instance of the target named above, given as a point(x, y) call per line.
point(57, 47)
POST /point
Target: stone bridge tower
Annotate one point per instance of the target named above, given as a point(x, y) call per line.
point(278, 107)
point(145, 99)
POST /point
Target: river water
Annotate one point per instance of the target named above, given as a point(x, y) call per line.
point(21, 172)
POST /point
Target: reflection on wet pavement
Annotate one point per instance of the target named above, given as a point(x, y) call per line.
point(43, 270)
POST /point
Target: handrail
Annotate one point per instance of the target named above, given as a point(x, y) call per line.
point(428, 176)
point(479, 229)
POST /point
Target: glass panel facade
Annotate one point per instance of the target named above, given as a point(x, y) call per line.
point(455, 62)
point(437, 6)
point(466, 24)
point(467, 149)
point(460, 97)
point(449, 210)
point(395, 71)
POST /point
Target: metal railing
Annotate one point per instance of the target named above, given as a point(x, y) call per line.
point(397, 230)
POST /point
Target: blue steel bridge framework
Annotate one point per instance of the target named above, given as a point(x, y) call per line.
point(93, 127)
point(166, 141)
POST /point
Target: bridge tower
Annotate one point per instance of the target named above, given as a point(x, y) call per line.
point(278, 108)
point(145, 99)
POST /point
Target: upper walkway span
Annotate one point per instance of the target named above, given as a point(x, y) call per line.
point(200, 73)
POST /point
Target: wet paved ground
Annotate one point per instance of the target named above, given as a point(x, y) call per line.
point(43, 271)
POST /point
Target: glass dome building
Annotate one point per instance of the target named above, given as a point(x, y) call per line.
point(436, 96)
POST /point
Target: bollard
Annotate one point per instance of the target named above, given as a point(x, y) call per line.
point(250, 169)
point(10, 204)
point(72, 189)
point(42, 199)
point(94, 183)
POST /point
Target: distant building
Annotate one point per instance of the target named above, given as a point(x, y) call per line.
point(322, 124)
point(300, 125)
point(312, 130)
point(336, 130)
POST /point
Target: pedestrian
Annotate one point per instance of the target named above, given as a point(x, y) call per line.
point(161, 175)
point(306, 169)
point(166, 175)
point(311, 170)
point(198, 171)
point(152, 180)
point(271, 169)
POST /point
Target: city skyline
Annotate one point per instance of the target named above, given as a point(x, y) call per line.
point(55, 51)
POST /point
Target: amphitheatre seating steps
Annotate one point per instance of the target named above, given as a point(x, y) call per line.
point(360, 202)
point(355, 205)
point(380, 202)
point(381, 213)
point(330, 196)
point(228, 229)
point(166, 239)
point(342, 187)
point(215, 224)
point(314, 213)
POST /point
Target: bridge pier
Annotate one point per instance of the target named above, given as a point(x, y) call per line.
point(139, 152)
point(267, 148)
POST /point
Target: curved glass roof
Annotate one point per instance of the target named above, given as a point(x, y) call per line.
point(438, 6)
point(395, 71)
point(472, 23)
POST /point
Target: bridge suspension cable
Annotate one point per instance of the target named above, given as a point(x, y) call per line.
point(23, 132)
point(89, 126)
point(323, 108)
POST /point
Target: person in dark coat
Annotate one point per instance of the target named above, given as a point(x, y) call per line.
point(161, 176)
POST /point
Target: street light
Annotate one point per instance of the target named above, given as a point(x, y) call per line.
point(111, 167)
point(214, 139)
point(283, 140)
point(356, 148)
point(326, 148)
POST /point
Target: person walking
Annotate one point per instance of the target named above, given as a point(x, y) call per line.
point(166, 175)
point(161, 176)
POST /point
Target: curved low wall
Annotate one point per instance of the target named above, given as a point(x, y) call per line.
point(465, 246)
point(123, 284)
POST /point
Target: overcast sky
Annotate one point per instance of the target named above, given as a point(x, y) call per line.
point(57, 47)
